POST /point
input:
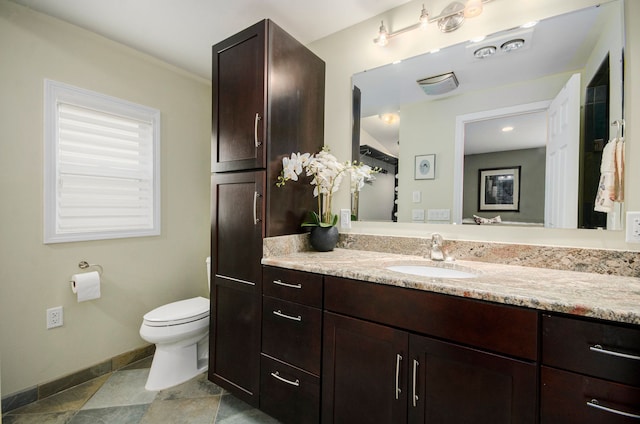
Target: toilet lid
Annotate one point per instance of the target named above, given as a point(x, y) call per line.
point(180, 312)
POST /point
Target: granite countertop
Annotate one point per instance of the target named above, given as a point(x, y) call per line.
point(600, 296)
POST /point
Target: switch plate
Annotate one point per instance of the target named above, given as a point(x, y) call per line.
point(417, 215)
point(633, 227)
point(438, 214)
point(345, 219)
point(54, 317)
point(417, 196)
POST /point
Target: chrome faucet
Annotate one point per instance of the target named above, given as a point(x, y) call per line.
point(437, 247)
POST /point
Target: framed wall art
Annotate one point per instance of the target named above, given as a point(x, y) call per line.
point(425, 167)
point(499, 189)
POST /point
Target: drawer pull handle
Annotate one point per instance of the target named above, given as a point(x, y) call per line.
point(292, 318)
point(255, 130)
point(398, 390)
point(600, 349)
point(595, 404)
point(292, 286)
point(416, 364)
point(284, 380)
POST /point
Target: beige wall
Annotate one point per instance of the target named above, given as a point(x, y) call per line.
point(352, 50)
point(139, 273)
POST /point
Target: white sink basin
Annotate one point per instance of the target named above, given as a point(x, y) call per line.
point(431, 271)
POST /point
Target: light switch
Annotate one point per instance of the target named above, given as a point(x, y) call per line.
point(438, 214)
point(417, 196)
point(345, 218)
point(417, 215)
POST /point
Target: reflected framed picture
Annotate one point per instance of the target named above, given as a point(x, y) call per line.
point(425, 167)
point(499, 189)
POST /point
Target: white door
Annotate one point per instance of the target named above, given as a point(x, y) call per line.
point(563, 143)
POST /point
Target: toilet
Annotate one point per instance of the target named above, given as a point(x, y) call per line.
point(180, 331)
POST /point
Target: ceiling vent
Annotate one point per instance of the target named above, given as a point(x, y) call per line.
point(439, 84)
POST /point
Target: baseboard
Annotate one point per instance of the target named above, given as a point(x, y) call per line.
point(41, 391)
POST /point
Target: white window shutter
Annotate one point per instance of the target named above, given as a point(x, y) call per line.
point(103, 166)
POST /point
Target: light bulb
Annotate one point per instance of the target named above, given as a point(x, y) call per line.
point(383, 36)
point(424, 18)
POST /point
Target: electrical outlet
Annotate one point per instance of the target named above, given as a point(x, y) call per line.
point(345, 218)
point(633, 227)
point(54, 317)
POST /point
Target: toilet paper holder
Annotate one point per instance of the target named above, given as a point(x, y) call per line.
point(85, 265)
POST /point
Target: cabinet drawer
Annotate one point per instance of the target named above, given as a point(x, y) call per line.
point(296, 286)
point(292, 333)
point(498, 328)
point(568, 397)
point(597, 349)
point(289, 394)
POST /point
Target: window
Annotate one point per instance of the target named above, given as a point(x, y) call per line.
point(102, 166)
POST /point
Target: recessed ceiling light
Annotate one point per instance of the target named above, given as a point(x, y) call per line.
point(434, 51)
point(397, 62)
point(483, 52)
point(512, 45)
point(507, 129)
point(478, 39)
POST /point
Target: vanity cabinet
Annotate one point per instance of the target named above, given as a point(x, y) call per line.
point(267, 102)
point(395, 355)
point(590, 371)
point(291, 345)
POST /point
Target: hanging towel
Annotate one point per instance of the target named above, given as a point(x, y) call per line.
point(606, 187)
point(619, 180)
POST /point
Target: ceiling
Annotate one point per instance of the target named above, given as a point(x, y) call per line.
point(181, 32)
point(553, 46)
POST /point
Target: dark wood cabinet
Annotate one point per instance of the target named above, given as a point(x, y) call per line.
point(268, 101)
point(364, 376)
point(590, 372)
point(291, 345)
point(386, 370)
point(454, 384)
point(234, 350)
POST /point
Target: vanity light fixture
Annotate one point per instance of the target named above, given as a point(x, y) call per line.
point(450, 19)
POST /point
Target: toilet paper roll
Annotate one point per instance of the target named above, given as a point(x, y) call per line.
point(86, 285)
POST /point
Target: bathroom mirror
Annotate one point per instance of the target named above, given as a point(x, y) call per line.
point(461, 123)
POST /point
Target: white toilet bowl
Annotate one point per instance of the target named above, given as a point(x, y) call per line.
point(180, 331)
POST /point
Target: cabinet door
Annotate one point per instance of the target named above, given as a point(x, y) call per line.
point(237, 226)
point(236, 251)
point(455, 384)
point(364, 372)
point(235, 339)
point(238, 78)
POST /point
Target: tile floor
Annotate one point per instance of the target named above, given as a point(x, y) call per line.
point(120, 398)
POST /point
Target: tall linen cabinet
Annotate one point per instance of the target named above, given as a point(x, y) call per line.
point(268, 101)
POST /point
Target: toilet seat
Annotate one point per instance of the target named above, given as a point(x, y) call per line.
point(177, 313)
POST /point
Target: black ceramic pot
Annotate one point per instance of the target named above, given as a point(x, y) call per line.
point(323, 239)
